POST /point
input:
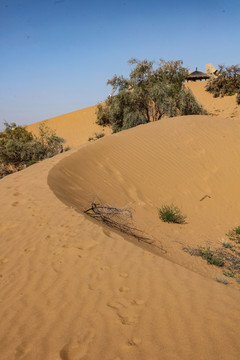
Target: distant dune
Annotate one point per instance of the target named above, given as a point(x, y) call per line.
point(222, 106)
point(72, 289)
point(75, 127)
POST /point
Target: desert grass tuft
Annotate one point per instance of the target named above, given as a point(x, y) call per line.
point(171, 214)
point(222, 280)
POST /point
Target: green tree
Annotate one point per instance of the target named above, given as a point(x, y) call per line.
point(226, 83)
point(149, 93)
point(19, 147)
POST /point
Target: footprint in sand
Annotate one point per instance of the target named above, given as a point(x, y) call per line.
point(97, 277)
point(138, 302)
point(22, 350)
point(15, 203)
point(123, 275)
point(81, 245)
point(77, 347)
point(16, 194)
point(125, 311)
point(95, 281)
point(124, 289)
point(3, 260)
point(134, 341)
point(28, 250)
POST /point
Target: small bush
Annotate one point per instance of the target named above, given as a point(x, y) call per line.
point(222, 281)
point(227, 245)
point(228, 273)
point(226, 83)
point(234, 234)
point(171, 214)
point(20, 148)
point(238, 97)
point(99, 135)
point(211, 257)
point(96, 136)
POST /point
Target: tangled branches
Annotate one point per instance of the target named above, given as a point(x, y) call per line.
point(117, 218)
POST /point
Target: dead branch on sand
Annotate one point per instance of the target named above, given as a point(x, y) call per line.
point(117, 218)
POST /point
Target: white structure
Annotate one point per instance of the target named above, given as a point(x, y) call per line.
point(211, 70)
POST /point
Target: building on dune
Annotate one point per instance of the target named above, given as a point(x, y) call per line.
point(197, 76)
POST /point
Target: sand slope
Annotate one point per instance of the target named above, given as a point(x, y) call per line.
point(222, 106)
point(178, 160)
point(71, 289)
point(75, 127)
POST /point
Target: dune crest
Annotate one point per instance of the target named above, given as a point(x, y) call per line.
point(75, 127)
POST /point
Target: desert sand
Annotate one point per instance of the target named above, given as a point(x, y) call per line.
point(75, 127)
point(73, 289)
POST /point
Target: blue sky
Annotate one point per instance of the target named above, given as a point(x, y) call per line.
point(57, 55)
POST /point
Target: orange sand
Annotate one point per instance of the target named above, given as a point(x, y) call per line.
point(75, 127)
point(71, 289)
point(225, 107)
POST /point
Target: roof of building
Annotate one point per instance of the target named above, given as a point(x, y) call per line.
point(198, 75)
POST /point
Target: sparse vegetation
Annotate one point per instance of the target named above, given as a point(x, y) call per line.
point(229, 273)
point(149, 93)
point(228, 257)
point(227, 245)
point(238, 97)
point(171, 214)
point(19, 148)
point(234, 234)
point(96, 136)
point(213, 258)
point(222, 280)
point(226, 83)
point(99, 135)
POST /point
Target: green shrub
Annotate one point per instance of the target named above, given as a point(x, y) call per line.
point(227, 245)
point(149, 93)
point(234, 234)
point(222, 281)
point(20, 148)
point(238, 97)
point(228, 273)
point(171, 214)
point(212, 258)
point(99, 135)
point(226, 83)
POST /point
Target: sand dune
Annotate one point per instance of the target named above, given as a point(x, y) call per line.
point(72, 289)
point(222, 106)
point(75, 127)
point(178, 161)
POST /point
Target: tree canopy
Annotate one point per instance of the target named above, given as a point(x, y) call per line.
point(19, 147)
point(151, 91)
point(226, 83)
